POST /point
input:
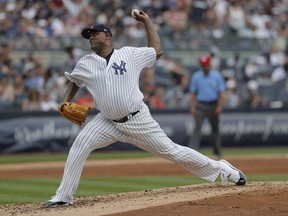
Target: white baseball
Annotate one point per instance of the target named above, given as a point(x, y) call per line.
point(133, 12)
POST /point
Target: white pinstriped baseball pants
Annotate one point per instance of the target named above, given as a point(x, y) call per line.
point(142, 131)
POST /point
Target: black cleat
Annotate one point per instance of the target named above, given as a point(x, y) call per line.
point(228, 172)
point(242, 180)
point(51, 204)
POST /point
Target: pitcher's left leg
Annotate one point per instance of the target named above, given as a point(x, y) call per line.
point(143, 131)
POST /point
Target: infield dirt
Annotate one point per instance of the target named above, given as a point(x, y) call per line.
point(256, 198)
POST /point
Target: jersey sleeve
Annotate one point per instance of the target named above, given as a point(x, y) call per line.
point(76, 76)
point(144, 57)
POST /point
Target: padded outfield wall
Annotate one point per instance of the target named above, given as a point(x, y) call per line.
point(47, 132)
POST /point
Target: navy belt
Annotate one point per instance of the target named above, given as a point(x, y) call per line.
point(208, 102)
point(126, 118)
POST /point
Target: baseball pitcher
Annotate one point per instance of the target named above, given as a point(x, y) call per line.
point(112, 77)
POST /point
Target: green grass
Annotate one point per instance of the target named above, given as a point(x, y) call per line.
point(250, 151)
point(107, 155)
point(48, 157)
point(38, 190)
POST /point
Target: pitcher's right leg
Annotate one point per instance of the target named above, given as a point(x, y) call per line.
point(98, 133)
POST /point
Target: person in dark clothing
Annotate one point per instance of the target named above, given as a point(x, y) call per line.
point(207, 99)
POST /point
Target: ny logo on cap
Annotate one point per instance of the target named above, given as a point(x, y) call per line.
point(121, 68)
point(104, 29)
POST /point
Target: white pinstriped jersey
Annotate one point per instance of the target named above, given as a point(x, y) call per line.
point(114, 87)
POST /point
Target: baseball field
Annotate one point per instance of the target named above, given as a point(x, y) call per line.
point(138, 183)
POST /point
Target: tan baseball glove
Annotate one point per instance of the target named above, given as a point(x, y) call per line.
point(74, 112)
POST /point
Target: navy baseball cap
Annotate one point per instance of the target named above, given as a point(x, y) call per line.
point(95, 28)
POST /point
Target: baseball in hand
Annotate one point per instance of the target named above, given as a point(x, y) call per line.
point(133, 12)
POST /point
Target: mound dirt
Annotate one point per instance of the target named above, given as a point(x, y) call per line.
point(257, 198)
point(254, 199)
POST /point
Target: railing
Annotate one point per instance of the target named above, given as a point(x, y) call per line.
point(32, 43)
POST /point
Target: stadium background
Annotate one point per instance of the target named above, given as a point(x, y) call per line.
point(247, 40)
point(39, 40)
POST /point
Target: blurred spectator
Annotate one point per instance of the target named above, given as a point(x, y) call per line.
point(157, 99)
point(177, 96)
point(280, 40)
point(48, 104)
point(61, 84)
point(19, 91)
point(32, 101)
point(51, 83)
point(232, 99)
point(85, 99)
point(72, 55)
point(253, 97)
point(251, 69)
point(214, 18)
point(34, 79)
point(264, 64)
point(178, 73)
point(136, 31)
point(6, 92)
point(277, 57)
point(264, 79)
point(7, 84)
point(75, 6)
point(163, 68)
point(4, 101)
point(147, 89)
point(55, 25)
point(279, 74)
point(7, 68)
point(237, 20)
point(28, 62)
point(236, 65)
point(197, 14)
point(260, 22)
point(165, 63)
point(220, 7)
point(176, 20)
point(215, 60)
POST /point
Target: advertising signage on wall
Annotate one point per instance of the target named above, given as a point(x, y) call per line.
point(42, 133)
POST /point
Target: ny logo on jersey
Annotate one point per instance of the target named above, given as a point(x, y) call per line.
point(120, 68)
